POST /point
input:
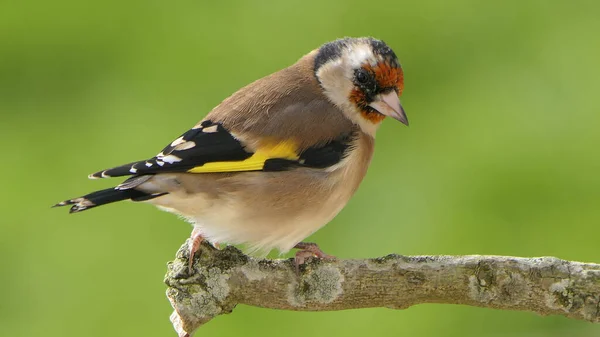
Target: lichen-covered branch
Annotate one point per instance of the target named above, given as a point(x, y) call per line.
point(224, 278)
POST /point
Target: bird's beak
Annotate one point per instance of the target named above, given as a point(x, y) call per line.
point(389, 105)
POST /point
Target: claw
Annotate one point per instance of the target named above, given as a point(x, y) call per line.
point(307, 250)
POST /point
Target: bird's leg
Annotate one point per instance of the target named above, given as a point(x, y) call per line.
point(308, 249)
point(194, 245)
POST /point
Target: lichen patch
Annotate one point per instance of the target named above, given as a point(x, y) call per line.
point(252, 272)
point(216, 284)
point(479, 291)
point(324, 284)
point(559, 296)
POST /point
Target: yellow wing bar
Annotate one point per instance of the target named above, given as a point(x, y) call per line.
point(256, 162)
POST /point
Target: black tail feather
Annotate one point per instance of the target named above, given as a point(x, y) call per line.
point(104, 197)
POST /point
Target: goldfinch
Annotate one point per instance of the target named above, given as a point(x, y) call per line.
point(279, 158)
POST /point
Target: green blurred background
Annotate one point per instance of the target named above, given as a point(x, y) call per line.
point(501, 156)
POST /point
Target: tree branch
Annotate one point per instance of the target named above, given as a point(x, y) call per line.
point(224, 278)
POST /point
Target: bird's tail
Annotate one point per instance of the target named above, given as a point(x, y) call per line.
point(104, 197)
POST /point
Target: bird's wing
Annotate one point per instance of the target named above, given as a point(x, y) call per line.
point(209, 147)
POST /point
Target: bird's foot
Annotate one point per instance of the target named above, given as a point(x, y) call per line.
point(307, 250)
point(197, 239)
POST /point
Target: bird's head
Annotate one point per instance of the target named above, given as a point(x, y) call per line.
point(363, 77)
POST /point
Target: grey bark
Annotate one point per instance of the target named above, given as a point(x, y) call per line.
point(224, 278)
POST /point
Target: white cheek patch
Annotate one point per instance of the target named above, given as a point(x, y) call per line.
point(335, 78)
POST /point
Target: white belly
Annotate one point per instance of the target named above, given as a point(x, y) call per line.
point(264, 229)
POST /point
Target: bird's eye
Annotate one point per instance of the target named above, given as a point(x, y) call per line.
point(362, 76)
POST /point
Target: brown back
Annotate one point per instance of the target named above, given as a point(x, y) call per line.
point(288, 104)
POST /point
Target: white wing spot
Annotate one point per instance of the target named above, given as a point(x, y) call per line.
point(185, 146)
point(171, 159)
point(148, 164)
point(133, 170)
point(160, 163)
point(210, 129)
point(177, 141)
point(104, 175)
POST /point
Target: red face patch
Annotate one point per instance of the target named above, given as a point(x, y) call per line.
point(386, 77)
point(372, 116)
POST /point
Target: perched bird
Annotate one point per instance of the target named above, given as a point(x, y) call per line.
point(279, 158)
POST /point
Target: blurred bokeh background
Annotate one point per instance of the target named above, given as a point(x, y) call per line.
point(502, 155)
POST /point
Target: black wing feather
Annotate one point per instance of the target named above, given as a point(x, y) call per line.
point(211, 142)
point(315, 157)
point(208, 143)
